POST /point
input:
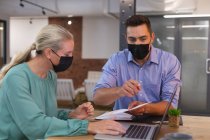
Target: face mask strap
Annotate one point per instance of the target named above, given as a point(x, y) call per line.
point(55, 52)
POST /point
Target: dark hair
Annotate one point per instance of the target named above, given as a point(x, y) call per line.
point(137, 20)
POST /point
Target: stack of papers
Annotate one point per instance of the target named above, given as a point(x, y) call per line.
point(121, 114)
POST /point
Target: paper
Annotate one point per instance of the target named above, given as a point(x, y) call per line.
point(138, 106)
point(110, 116)
point(119, 114)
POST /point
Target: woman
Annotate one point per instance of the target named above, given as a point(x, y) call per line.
point(28, 108)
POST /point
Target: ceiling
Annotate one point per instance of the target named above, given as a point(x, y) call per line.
point(12, 8)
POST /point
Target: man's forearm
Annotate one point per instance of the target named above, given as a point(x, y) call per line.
point(157, 108)
point(106, 96)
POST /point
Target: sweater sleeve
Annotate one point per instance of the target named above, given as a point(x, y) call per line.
point(63, 114)
point(31, 121)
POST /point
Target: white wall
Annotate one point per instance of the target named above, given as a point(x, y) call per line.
point(100, 37)
point(203, 7)
point(23, 34)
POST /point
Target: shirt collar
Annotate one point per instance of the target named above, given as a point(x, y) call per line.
point(153, 56)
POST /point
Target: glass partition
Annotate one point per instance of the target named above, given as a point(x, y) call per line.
point(194, 42)
point(164, 30)
point(188, 39)
point(2, 43)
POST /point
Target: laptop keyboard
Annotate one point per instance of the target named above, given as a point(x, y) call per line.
point(137, 131)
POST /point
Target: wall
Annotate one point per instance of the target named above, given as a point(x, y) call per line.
point(203, 7)
point(23, 33)
point(80, 67)
point(101, 35)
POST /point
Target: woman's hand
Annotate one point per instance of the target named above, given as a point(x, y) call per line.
point(82, 111)
point(106, 127)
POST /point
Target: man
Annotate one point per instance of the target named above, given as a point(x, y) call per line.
point(140, 73)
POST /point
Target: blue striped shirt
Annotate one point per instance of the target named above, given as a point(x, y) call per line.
point(158, 76)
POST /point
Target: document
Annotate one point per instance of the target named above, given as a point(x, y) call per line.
point(119, 114)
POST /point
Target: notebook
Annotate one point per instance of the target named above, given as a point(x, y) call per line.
point(139, 131)
point(121, 114)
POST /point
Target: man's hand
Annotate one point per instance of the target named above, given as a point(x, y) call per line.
point(82, 111)
point(129, 88)
point(106, 127)
point(138, 111)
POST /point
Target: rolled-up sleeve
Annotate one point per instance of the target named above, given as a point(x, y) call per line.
point(109, 75)
point(171, 79)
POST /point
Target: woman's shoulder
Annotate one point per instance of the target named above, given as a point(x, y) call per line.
point(17, 74)
point(23, 71)
point(19, 69)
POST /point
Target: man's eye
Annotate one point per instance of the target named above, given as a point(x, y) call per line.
point(132, 39)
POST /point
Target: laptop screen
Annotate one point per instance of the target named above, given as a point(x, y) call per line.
point(167, 107)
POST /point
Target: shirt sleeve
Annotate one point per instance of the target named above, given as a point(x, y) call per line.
point(171, 79)
point(30, 119)
point(109, 75)
point(63, 114)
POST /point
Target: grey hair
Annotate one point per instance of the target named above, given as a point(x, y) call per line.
point(49, 37)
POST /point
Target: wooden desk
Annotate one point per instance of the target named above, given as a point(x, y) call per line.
point(197, 126)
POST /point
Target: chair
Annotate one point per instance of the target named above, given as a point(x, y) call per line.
point(90, 82)
point(65, 91)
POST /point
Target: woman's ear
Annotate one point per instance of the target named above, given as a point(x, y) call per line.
point(47, 52)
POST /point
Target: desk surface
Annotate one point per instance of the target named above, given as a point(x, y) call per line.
point(197, 126)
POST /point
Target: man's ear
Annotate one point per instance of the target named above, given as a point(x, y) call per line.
point(125, 36)
point(152, 37)
point(48, 53)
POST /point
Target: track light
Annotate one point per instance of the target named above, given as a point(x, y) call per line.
point(30, 21)
point(44, 9)
point(21, 3)
point(43, 12)
point(69, 22)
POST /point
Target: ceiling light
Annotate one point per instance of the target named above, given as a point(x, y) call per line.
point(186, 16)
point(189, 38)
point(194, 38)
point(30, 21)
point(195, 26)
point(70, 16)
point(170, 38)
point(43, 12)
point(21, 3)
point(1, 28)
point(44, 9)
point(69, 22)
point(170, 27)
point(189, 26)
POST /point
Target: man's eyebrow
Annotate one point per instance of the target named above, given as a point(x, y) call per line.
point(141, 37)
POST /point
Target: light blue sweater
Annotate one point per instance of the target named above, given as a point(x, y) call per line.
point(28, 107)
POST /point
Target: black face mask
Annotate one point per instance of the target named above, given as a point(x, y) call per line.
point(64, 63)
point(139, 51)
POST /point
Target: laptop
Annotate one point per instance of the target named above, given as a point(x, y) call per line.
point(139, 131)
